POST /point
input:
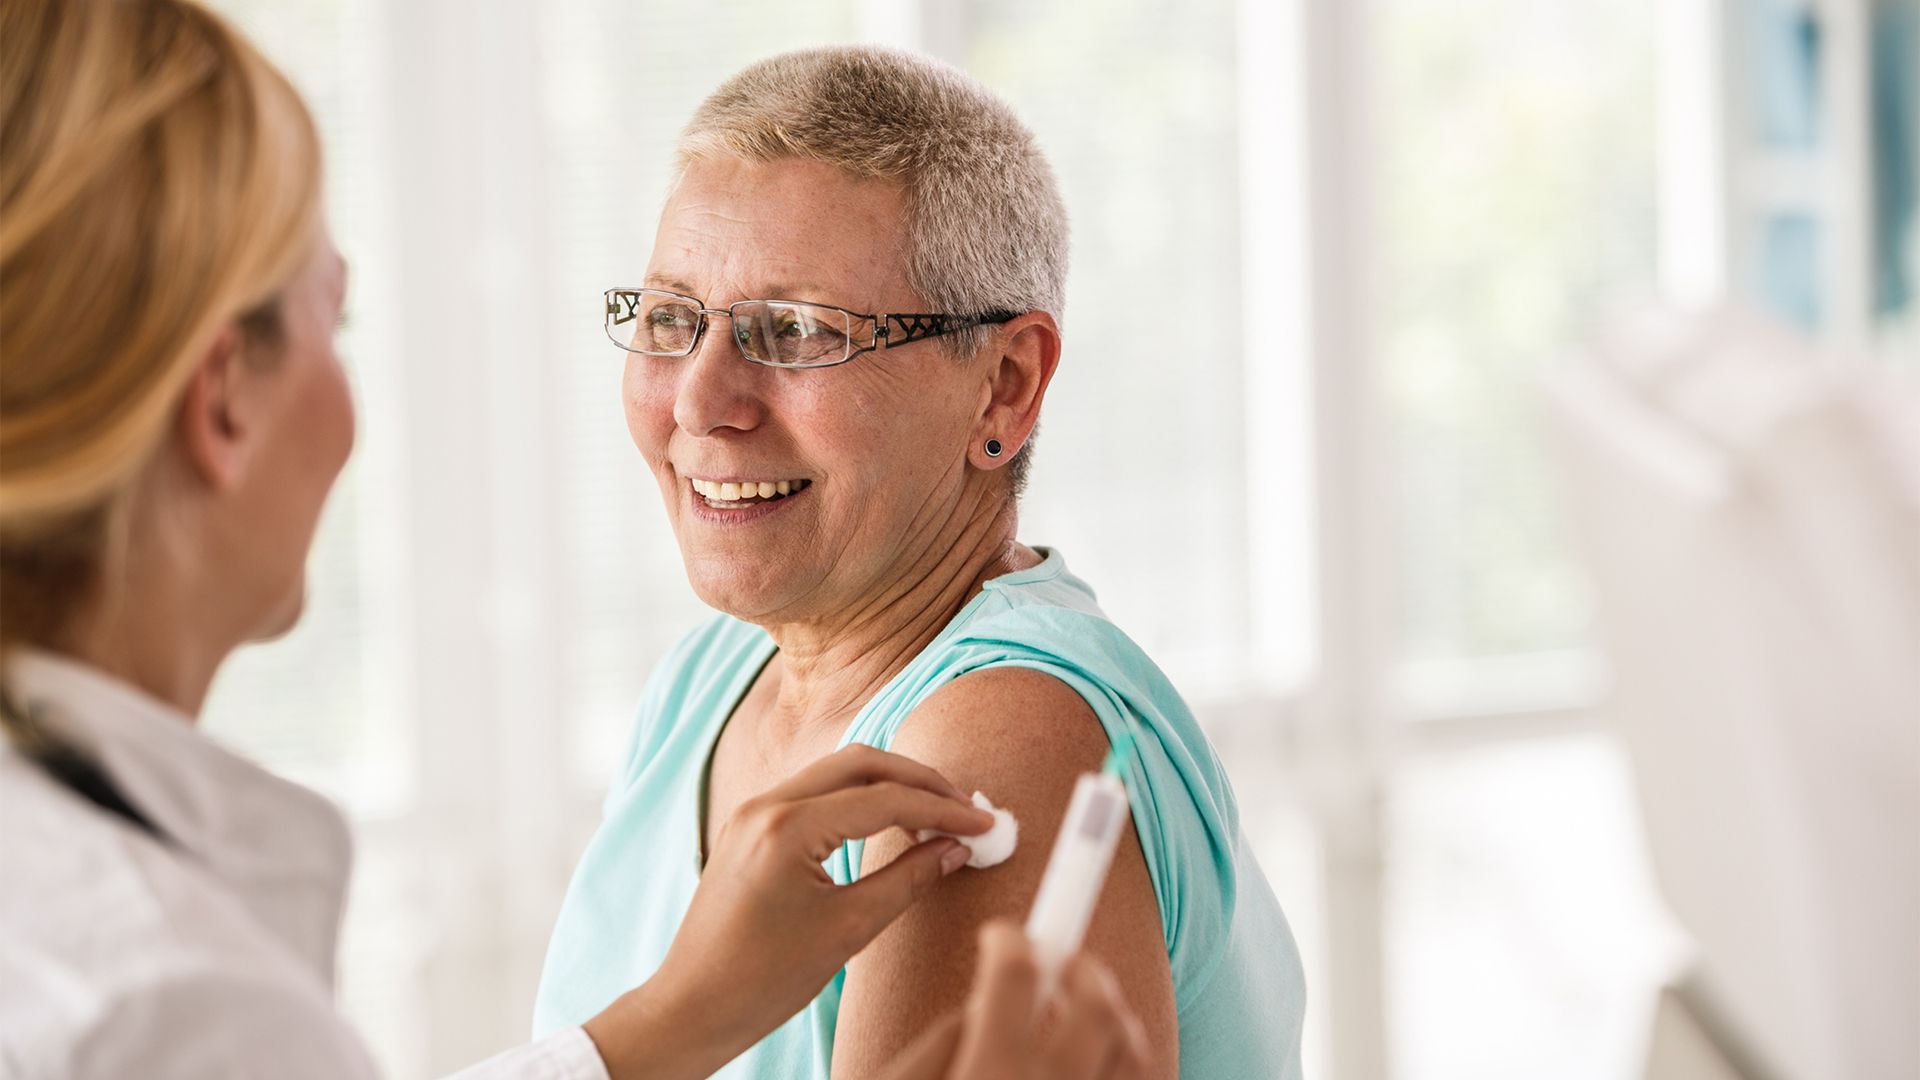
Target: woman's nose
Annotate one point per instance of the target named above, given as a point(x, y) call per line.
point(718, 387)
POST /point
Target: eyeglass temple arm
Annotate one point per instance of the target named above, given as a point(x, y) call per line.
point(919, 327)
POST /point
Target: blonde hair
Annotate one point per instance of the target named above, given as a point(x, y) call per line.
point(986, 229)
point(159, 182)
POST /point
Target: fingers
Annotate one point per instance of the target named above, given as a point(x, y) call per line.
point(1097, 1034)
point(877, 899)
point(829, 820)
point(1000, 1007)
point(856, 763)
point(927, 1058)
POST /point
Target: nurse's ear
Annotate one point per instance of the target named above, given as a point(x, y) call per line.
point(215, 425)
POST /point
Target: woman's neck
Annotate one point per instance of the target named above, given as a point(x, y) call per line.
point(831, 666)
point(152, 629)
point(175, 673)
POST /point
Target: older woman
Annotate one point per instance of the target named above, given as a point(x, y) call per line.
point(172, 417)
point(835, 366)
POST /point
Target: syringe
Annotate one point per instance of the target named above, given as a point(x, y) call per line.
point(1078, 867)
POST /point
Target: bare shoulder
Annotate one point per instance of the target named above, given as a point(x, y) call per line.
point(1022, 737)
point(1018, 729)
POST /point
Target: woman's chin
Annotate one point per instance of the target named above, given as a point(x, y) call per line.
point(285, 616)
point(746, 593)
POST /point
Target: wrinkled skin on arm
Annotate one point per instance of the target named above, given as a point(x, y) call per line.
point(1022, 737)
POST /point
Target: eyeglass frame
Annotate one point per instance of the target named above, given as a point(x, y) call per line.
point(913, 327)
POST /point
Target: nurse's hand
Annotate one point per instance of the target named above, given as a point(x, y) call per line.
point(767, 927)
point(1087, 1033)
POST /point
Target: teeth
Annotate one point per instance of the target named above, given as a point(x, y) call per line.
point(737, 491)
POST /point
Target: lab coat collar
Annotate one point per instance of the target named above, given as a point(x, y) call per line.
point(283, 850)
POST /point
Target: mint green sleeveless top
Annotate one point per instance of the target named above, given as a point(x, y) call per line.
point(1237, 978)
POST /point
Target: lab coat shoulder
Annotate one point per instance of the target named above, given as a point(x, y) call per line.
point(119, 957)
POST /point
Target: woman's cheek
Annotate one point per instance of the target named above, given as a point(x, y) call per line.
point(347, 420)
point(647, 391)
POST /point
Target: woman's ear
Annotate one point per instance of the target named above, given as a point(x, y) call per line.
point(211, 425)
point(1016, 384)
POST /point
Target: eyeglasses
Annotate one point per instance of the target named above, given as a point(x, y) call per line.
point(777, 333)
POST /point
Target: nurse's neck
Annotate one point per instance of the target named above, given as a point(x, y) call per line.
point(176, 672)
point(169, 611)
point(149, 635)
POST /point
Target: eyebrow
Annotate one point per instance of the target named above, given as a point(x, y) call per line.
point(773, 292)
point(670, 284)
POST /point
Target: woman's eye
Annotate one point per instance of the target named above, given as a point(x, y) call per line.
point(803, 331)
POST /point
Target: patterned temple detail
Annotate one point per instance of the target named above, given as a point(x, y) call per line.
point(916, 327)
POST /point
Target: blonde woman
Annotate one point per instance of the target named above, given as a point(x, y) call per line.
point(172, 417)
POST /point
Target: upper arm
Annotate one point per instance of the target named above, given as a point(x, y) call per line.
point(1022, 737)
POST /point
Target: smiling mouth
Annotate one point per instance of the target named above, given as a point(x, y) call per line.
point(730, 495)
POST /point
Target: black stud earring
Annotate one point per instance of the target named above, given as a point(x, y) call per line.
point(993, 447)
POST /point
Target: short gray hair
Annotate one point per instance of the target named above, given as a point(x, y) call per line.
point(986, 228)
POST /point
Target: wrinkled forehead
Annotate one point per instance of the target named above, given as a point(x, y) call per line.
point(789, 229)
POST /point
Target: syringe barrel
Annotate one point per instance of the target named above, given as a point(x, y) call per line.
point(1076, 872)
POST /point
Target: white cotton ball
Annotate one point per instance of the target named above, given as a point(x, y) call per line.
point(990, 848)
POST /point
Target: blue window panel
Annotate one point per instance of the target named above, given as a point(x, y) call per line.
point(1895, 104)
point(1790, 267)
point(1783, 58)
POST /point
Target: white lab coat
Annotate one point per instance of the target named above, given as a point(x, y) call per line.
point(207, 954)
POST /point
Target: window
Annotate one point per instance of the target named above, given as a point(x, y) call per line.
point(1820, 107)
point(1516, 205)
point(1141, 475)
point(318, 706)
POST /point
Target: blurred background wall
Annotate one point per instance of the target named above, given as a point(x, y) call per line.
point(1384, 222)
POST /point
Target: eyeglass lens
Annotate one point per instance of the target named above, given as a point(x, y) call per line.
point(770, 332)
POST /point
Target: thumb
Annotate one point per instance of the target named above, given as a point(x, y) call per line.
point(879, 898)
